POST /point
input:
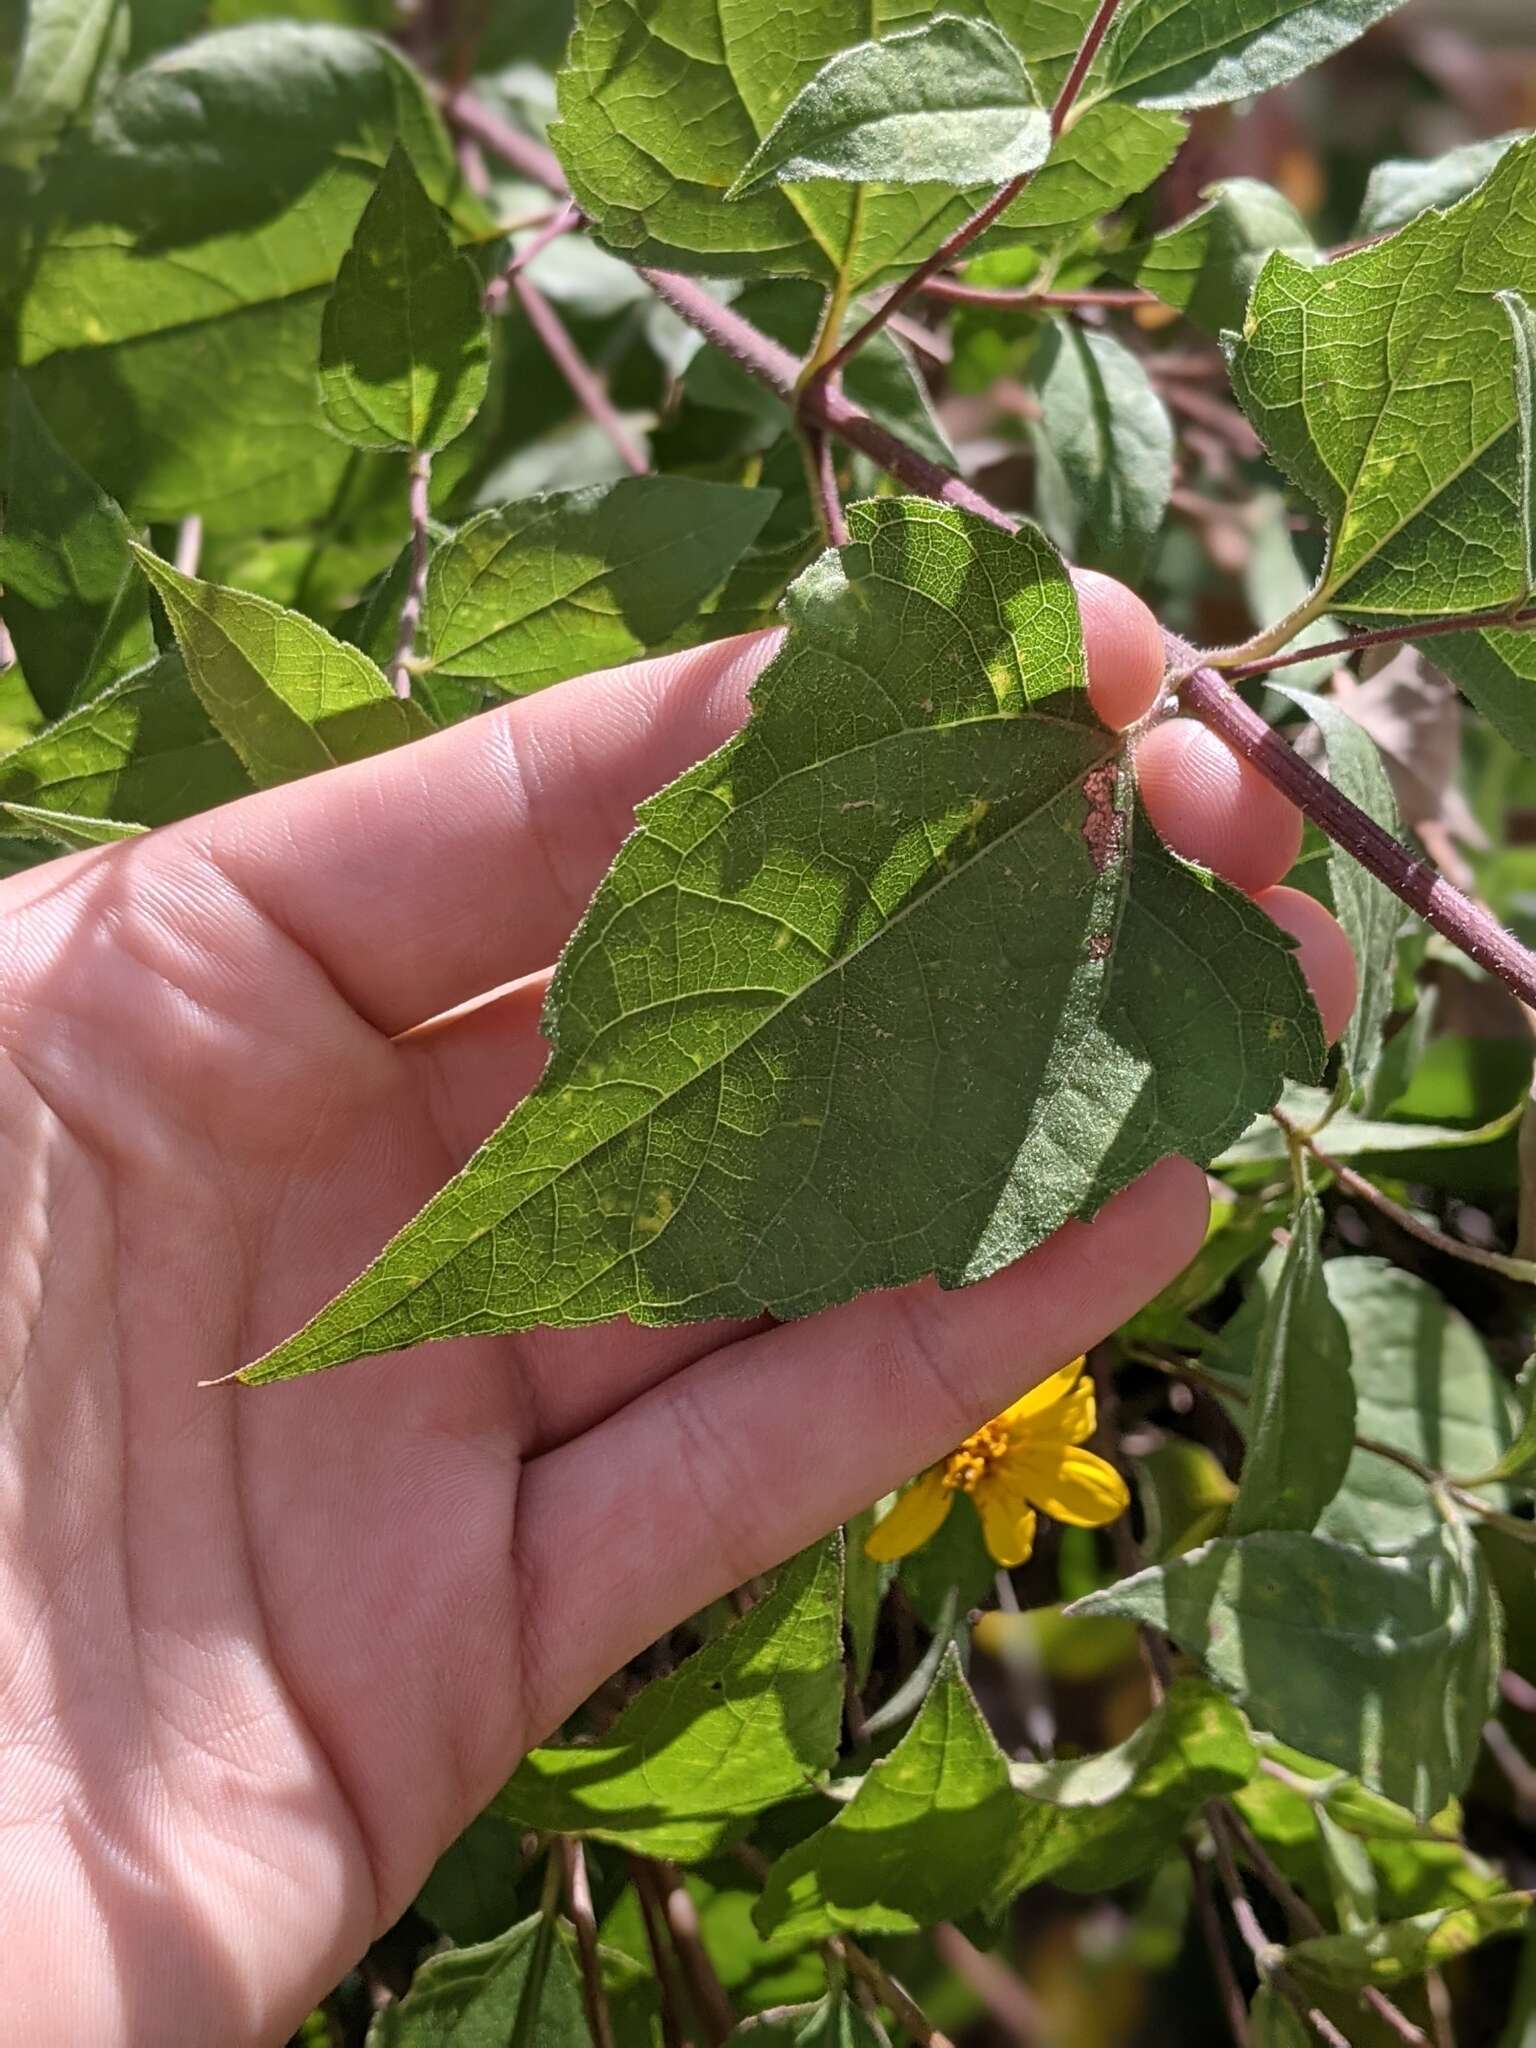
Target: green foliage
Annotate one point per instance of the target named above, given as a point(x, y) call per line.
point(1105, 449)
point(286, 696)
point(1301, 1402)
point(74, 604)
point(949, 103)
point(747, 1721)
point(919, 1842)
point(921, 768)
point(520, 1987)
point(900, 979)
point(524, 595)
point(1429, 504)
point(1382, 1665)
point(1207, 265)
point(404, 340)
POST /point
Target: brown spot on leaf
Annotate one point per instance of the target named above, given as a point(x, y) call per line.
point(1103, 827)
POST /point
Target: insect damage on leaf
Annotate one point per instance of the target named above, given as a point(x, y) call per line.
point(894, 984)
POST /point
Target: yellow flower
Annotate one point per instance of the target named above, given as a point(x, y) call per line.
point(1028, 1457)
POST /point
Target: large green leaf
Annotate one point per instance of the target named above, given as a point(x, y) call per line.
point(1394, 386)
point(947, 103)
point(1404, 1949)
point(404, 341)
point(1206, 265)
point(1425, 1385)
point(1496, 669)
point(144, 751)
point(1301, 1401)
point(75, 606)
point(1372, 916)
point(665, 103)
point(169, 322)
point(287, 697)
point(1104, 448)
point(750, 1719)
point(920, 1840)
point(791, 1057)
point(1189, 53)
point(521, 1987)
point(549, 587)
point(1091, 1823)
point(1384, 1666)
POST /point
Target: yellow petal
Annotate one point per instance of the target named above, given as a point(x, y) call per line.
point(916, 1516)
point(1061, 1407)
point(1072, 1485)
point(1007, 1520)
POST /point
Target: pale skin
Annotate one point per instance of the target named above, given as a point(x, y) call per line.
point(263, 1653)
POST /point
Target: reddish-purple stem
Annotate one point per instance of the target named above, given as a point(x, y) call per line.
point(578, 373)
point(540, 166)
point(560, 222)
point(416, 587)
point(1384, 636)
point(821, 469)
point(1019, 299)
point(189, 544)
point(1205, 693)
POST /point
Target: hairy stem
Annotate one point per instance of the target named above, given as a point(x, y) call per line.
point(1376, 636)
point(416, 586)
point(586, 386)
point(1356, 1184)
point(1021, 299)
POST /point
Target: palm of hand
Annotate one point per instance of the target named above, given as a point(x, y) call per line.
point(263, 1654)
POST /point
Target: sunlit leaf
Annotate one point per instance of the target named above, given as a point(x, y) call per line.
point(521, 1987)
point(1405, 1949)
point(751, 1718)
point(529, 593)
point(1207, 264)
point(404, 341)
point(922, 836)
point(287, 697)
point(947, 103)
point(1104, 445)
point(918, 1842)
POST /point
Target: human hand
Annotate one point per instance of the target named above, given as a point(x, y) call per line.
point(262, 1655)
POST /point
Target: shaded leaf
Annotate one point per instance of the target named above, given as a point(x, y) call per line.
point(550, 587)
point(1300, 1415)
point(750, 1719)
point(480, 1884)
point(1350, 1137)
point(288, 697)
point(169, 324)
point(1404, 1949)
point(522, 1987)
point(1206, 265)
point(918, 1842)
point(1104, 445)
point(1345, 371)
point(773, 1022)
point(405, 341)
point(946, 103)
point(74, 605)
point(1424, 1384)
point(1091, 1823)
point(1272, 2023)
point(1401, 187)
point(144, 751)
point(1384, 1666)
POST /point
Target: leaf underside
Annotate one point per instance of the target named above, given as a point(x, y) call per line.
point(895, 983)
